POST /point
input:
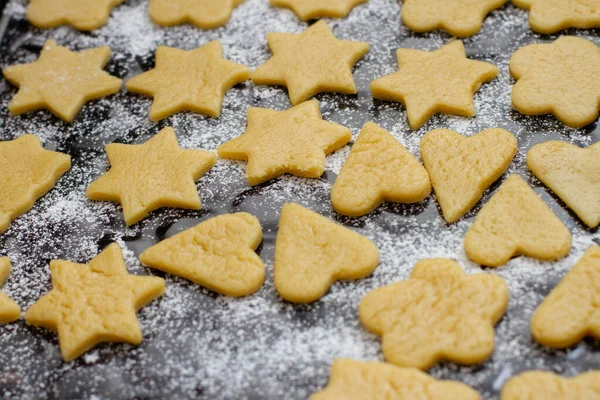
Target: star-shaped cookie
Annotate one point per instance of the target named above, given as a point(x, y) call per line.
point(542, 385)
point(9, 310)
point(94, 303)
point(551, 16)
point(85, 15)
point(440, 313)
point(61, 81)
point(146, 177)
point(205, 14)
point(173, 90)
point(428, 83)
point(27, 172)
point(293, 141)
point(310, 62)
point(315, 9)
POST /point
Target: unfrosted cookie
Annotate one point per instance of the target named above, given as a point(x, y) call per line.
point(9, 310)
point(560, 78)
point(516, 222)
point(218, 254)
point(314, 9)
point(462, 168)
point(378, 169)
point(27, 172)
point(293, 141)
point(146, 177)
point(428, 83)
point(440, 313)
point(205, 14)
point(94, 303)
point(541, 385)
point(356, 380)
point(310, 62)
point(61, 81)
point(85, 15)
point(173, 90)
point(572, 173)
point(312, 252)
point(551, 16)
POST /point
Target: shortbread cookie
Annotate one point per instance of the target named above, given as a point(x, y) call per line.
point(428, 83)
point(541, 385)
point(462, 168)
point(440, 313)
point(173, 90)
point(551, 16)
point(149, 176)
point(378, 169)
point(459, 18)
point(9, 310)
point(312, 252)
point(516, 222)
point(560, 78)
point(218, 254)
point(293, 141)
point(572, 310)
point(315, 9)
point(85, 15)
point(94, 303)
point(27, 172)
point(356, 380)
point(310, 62)
point(205, 14)
point(61, 81)
point(572, 173)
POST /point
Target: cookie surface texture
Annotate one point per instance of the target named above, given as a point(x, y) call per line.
point(204, 14)
point(85, 15)
point(9, 310)
point(314, 9)
point(541, 385)
point(551, 16)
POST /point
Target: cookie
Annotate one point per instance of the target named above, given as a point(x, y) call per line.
point(149, 176)
point(310, 62)
point(572, 310)
point(315, 9)
point(27, 172)
point(312, 252)
point(572, 174)
point(85, 15)
point(293, 141)
point(218, 254)
point(356, 380)
point(173, 91)
point(561, 78)
point(462, 168)
point(541, 385)
point(61, 81)
point(440, 313)
point(551, 16)
point(429, 83)
point(516, 222)
point(204, 14)
point(378, 169)
point(94, 303)
point(9, 310)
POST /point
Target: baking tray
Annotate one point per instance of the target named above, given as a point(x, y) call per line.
point(201, 345)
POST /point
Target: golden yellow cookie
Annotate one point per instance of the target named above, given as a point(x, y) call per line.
point(310, 62)
point(428, 83)
point(27, 172)
point(516, 222)
point(551, 16)
point(459, 18)
point(312, 252)
point(205, 14)
point(61, 81)
point(9, 310)
point(356, 380)
point(146, 177)
point(94, 303)
point(378, 169)
point(572, 173)
point(217, 254)
point(293, 141)
point(560, 78)
point(315, 9)
point(462, 168)
point(85, 15)
point(541, 385)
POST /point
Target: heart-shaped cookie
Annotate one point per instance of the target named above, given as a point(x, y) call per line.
point(543, 385)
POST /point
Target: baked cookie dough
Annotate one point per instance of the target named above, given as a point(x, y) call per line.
point(541, 385)
point(314, 9)
point(205, 14)
point(551, 16)
point(440, 313)
point(85, 15)
point(9, 310)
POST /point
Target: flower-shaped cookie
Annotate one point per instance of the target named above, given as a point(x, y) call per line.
point(440, 313)
point(314, 9)
point(550, 16)
point(9, 310)
point(205, 14)
point(560, 78)
point(541, 385)
point(85, 15)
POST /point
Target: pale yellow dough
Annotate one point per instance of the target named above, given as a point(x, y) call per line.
point(378, 169)
point(85, 15)
point(312, 252)
point(314, 9)
point(440, 313)
point(542, 385)
point(146, 177)
point(462, 168)
point(516, 222)
point(356, 380)
point(61, 81)
point(293, 141)
point(9, 310)
point(572, 173)
point(218, 254)
point(27, 172)
point(310, 62)
point(205, 14)
point(551, 16)
point(94, 303)
point(560, 78)
point(429, 83)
